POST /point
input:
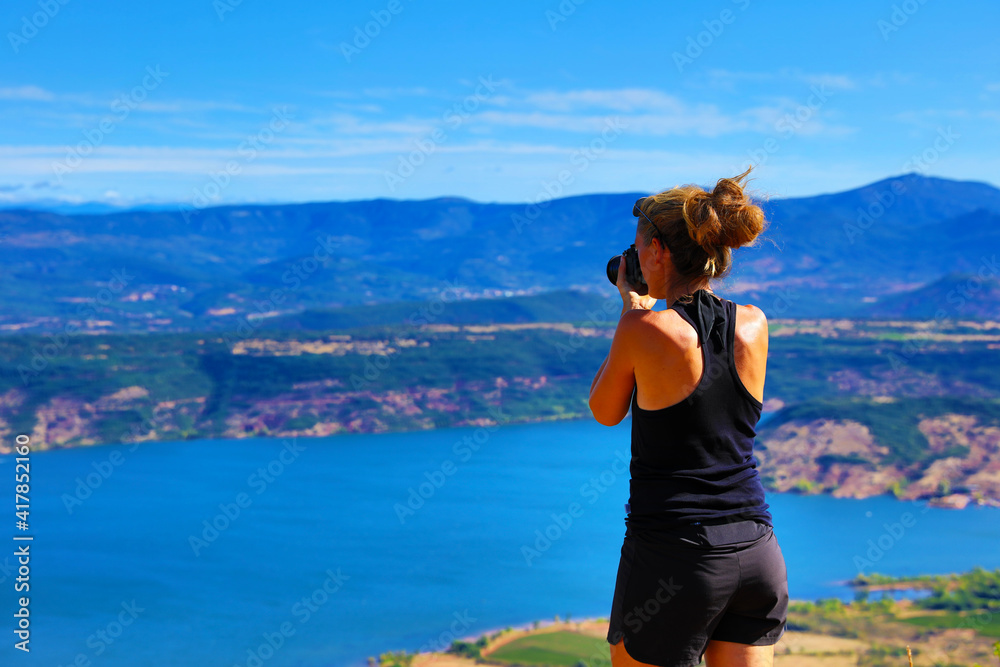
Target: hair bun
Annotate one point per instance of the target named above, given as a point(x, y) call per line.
point(703, 223)
point(725, 217)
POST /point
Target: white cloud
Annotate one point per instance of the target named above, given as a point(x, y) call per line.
point(538, 119)
point(728, 79)
point(349, 124)
point(643, 111)
point(651, 112)
point(393, 93)
point(33, 93)
point(182, 106)
point(930, 118)
point(362, 108)
point(134, 160)
point(627, 99)
point(833, 81)
point(179, 106)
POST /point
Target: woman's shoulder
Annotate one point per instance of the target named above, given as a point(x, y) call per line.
point(655, 328)
point(750, 320)
point(751, 334)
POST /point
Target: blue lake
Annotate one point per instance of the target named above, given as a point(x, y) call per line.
point(312, 559)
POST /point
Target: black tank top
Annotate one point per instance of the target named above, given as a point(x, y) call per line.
point(692, 462)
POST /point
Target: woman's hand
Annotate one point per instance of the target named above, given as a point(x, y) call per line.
point(630, 299)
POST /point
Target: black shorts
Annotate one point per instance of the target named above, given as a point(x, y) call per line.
point(678, 589)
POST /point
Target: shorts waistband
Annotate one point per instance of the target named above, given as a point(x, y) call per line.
point(707, 534)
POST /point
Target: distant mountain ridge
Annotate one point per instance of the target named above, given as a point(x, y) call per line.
point(956, 296)
point(832, 255)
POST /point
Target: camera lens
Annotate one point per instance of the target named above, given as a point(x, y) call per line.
point(613, 264)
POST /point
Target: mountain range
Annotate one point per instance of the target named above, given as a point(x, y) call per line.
point(896, 248)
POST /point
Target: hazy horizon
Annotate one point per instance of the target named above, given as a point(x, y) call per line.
point(64, 206)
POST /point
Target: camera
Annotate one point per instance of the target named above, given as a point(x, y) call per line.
point(633, 272)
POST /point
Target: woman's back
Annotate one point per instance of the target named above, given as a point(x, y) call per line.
point(671, 359)
point(692, 459)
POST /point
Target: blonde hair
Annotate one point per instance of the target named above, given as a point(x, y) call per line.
point(702, 228)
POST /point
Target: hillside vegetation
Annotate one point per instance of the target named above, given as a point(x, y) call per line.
point(860, 407)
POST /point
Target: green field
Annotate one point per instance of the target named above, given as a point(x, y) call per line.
point(986, 624)
point(556, 649)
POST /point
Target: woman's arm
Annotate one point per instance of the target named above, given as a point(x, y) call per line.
point(604, 363)
point(598, 376)
point(611, 390)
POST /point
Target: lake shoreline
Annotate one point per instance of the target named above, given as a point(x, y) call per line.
point(956, 501)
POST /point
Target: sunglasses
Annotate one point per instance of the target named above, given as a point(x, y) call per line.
point(636, 211)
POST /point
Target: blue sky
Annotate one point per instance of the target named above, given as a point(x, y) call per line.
point(223, 101)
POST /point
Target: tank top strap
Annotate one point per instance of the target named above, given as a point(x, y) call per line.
point(731, 334)
point(731, 354)
point(707, 313)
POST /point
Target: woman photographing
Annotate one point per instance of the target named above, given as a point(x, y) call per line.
point(701, 573)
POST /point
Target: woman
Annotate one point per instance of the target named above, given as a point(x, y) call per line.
point(701, 573)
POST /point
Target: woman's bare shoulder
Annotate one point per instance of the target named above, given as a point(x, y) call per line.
point(751, 323)
point(751, 312)
point(655, 328)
